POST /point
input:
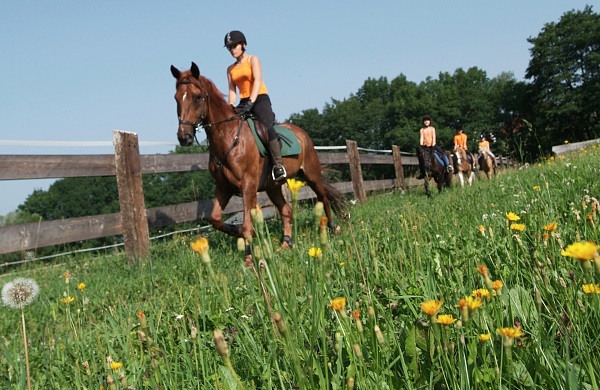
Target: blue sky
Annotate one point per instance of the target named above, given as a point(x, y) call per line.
point(77, 70)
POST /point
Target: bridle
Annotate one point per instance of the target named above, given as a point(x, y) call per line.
point(203, 115)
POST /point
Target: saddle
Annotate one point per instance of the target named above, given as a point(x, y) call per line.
point(289, 146)
point(289, 143)
point(428, 153)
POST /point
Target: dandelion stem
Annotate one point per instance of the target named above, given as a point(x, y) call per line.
point(26, 349)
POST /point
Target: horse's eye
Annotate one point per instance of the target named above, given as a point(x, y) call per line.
point(197, 98)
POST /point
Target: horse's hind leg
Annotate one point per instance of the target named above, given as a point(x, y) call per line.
point(286, 212)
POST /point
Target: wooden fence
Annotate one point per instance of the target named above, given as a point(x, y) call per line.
point(134, 219)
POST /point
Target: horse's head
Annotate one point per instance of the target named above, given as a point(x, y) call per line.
point(192, 103)
point(459, 151)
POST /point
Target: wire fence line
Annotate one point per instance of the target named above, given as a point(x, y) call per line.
point(30, 258)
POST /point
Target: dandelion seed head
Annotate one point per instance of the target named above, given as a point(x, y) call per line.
point(19, 293)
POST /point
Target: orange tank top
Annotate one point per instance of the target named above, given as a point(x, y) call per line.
point(243, 79)
point(461, 140)
point(428, 135)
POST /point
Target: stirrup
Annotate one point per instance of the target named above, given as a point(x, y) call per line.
point(450, 169)
point(281, 173)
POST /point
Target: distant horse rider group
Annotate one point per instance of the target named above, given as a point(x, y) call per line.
point(463, 160)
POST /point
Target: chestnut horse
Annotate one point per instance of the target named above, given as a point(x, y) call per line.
point(486, 164)
point(235, 162)
point(462, 166)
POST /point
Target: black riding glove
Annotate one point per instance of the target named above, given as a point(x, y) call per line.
point(244, 108)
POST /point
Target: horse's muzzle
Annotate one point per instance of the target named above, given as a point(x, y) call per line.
point(186, 140)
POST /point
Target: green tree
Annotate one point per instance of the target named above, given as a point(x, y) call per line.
point(565, 73)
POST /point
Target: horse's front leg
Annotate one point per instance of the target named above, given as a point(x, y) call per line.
point(216, 216)
point(426, 185)
point(249, 200)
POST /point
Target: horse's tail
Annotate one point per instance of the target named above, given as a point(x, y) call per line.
point(336, 199)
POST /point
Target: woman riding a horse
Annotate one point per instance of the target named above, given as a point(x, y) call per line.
point(245, 74)
point(236, 162)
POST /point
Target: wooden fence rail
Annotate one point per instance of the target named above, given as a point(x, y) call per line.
point(46, 233)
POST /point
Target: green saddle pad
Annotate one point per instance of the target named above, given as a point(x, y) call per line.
point(289, 143)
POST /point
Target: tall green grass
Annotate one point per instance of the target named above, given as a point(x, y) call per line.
point(153, 326)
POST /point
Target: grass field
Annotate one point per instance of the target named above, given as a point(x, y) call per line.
point(490, 286)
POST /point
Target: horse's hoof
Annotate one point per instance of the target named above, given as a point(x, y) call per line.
point(248, 262)
point(287, 242)
point(337, 229)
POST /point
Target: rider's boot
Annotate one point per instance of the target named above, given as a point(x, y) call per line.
point(449, 166)
point(421, 159)
point(278, 173)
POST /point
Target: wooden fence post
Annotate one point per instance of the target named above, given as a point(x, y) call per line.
point(399, 182)
point(355, 171)
point(131, 195)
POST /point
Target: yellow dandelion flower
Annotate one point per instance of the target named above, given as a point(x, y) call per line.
point(431, 307)
point(473, 303)
point(481, 293)
point(583, 250)
point(484, 337)
point(512, 217)
point(294, 187)
point(315, 252)
point(550, 227)
point(81, 286)
point(497, 285)
point(537, 188)
point(481, 229)
point(342, 264)
point(200, 246)
point(482, 269)
point(591, 288)
point(356, 314)
point(338, 304)
point(115, 365)
point(67, 300)
point(517, 226)
point(511, 333)
point(445, 319)
point(323, 222)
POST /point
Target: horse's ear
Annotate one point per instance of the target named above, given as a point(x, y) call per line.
point(175, 72)
point(195, 70)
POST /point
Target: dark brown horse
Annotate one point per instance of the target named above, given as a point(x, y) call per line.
point(435, 170)
point(235, 161)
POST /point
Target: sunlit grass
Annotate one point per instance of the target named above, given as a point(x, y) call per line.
point(517, 306)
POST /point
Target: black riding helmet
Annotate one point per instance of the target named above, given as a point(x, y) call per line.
point(234, 37)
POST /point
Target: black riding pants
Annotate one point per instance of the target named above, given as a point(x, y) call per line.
point(263, 111)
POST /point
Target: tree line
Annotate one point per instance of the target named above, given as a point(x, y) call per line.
point(557, 103)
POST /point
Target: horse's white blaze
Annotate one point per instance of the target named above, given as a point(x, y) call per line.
point(184, 96)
